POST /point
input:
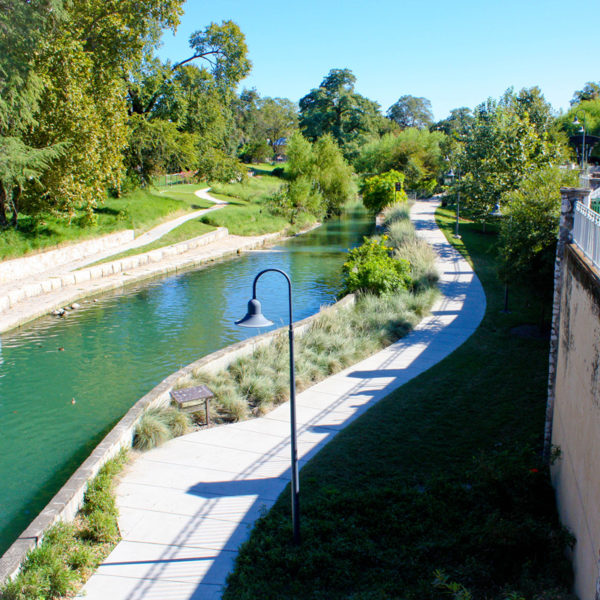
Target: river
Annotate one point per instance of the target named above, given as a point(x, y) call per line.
point(64, 383)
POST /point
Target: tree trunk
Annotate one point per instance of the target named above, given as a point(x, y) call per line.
point(3, 219)
point(14, 205)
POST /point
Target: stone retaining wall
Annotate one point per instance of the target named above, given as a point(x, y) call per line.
point(69, 499)
point(11, 270)
point(106, 269)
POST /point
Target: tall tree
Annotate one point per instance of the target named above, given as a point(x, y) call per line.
point(414, 152)
point(336, 108)
point(590, 91)
point(23, 28)
point(504, 146)
point(410, 111)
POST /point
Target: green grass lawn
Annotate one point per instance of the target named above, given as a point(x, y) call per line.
point(248, 213)
point(187, 231)
point(438, 491)
point(139, 210)
point(143, 209)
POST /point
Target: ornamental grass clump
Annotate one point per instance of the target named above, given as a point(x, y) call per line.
point(159, 425)
point(70, 552)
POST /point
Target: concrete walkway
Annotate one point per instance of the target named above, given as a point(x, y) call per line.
point(186, 507)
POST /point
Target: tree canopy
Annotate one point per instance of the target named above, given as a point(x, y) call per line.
point(337, 109)
point(410, 111)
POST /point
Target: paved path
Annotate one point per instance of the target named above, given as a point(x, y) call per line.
point(186, 507)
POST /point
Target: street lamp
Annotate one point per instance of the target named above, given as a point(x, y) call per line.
point(255, 318)
point(451, 177)
point(497, 212)
point(582, 131)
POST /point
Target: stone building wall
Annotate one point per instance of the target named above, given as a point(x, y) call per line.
point(576, 416)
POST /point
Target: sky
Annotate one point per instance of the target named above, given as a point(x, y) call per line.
point(454, 53)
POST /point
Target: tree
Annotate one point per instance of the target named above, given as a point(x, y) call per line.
point(23, 27)
point(319, 178)
point(457, 124)
point(529, 228)
point(335, 108)
point(410, 111)
point(157, 147)
point(503, 147)
point(199, 98)
point(414, 152)
point(590, 91)
point(380, 191)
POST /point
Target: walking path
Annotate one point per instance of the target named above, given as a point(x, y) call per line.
point(186, 507)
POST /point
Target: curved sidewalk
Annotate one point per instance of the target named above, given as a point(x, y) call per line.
point(186, 507)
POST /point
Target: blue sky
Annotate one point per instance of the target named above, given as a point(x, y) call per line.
point(453, 53)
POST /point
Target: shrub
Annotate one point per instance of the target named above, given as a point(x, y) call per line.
point(379, 191)
point(370, 268)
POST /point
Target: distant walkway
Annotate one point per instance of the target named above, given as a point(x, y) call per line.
point(186, 507)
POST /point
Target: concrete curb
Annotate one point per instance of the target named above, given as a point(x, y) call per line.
point(69, 499)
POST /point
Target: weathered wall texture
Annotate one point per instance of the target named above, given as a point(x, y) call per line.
point(576, 419)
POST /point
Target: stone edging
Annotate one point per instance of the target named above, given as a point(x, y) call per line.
point(69, 499)
point(106, 269)
point(37, 263)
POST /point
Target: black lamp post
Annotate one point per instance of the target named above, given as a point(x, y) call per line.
point(255, 318)
point(582, 131)
point(451, 177)
point(497, 212)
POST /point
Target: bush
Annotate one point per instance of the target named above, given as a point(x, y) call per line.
point(379, 191)
point(370, 268)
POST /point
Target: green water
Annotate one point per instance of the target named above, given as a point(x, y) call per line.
point(118, 348)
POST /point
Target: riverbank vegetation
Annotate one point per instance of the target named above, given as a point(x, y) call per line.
point(382, 314)
point(71, 552)
point(439, 490)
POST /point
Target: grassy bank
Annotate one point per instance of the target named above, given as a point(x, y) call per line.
point(249, 211)
point(139, 210)
point(436, 492)
point(71, 552)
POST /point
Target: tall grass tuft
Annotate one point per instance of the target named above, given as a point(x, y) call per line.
point(70, 552)
point(158, 425)
point(396, 212)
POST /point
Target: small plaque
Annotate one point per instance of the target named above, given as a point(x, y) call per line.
point(192, 396)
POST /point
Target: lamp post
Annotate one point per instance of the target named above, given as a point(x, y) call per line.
point(582, 131)
point(255, 318)
point(451, 176)
point(497, 212)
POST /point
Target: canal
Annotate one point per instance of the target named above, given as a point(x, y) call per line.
point(64, 383)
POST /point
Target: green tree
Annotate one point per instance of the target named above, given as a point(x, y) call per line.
point(410, 111)
point(457, 124)
point(335, 108)
point(590, 91)
point(414, 152)
point(157, 147)
point(380, 191)
point(529, 228)
point(503, 147)
point(324, 167)
point(23, 27)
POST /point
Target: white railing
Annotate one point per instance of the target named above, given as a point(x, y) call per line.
point(586, 232)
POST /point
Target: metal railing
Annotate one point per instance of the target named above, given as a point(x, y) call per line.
point(586, 232)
